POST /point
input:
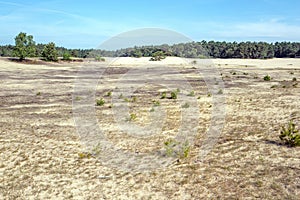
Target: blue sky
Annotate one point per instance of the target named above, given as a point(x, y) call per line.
point(86, 24)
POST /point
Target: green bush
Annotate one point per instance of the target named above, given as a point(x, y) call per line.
point(290, 134)
point(163, 95)
point(66, 56)
point(156, 103)
point(267, 78)
point(158, 56)
point(109, 94)
point(174, 95)
point(100, 102)
point(132, 117)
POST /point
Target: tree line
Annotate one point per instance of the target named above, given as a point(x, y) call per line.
point(26, 47)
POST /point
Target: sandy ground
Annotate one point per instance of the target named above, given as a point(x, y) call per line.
point(42, 156)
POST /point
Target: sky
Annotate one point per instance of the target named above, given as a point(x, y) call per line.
point(88, 24)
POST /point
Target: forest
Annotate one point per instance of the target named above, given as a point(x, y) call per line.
point(203, 49)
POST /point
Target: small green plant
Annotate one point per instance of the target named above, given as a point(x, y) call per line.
point(109, 94)
point(177, 149)
point(170, 147)
point(156, 103)
point(163, 95)
point(186, 150)
point(38, 94)
point(132, 117)
point(290, 134)
point(100, 102)
point(294, 79)
point(209, 94)
point(174, 95)
point(191, 94)
point(186, 105)
point(83, 155)
point(267, 78)
point(134, 99)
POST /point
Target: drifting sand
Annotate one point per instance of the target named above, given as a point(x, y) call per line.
point(41, 155)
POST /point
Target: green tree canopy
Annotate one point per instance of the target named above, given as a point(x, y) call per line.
point(49, 53)
point(24, 46)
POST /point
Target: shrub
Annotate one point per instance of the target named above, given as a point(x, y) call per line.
point(156, 103)
point(66, 56)
point(267, 78)
point(100, 102)
point(290, 135)
point(99, 58)
point(109, 94)
point(294, 79)
point(132, 117)
point(163, 95)
point(174, 95)
point(157, 56)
